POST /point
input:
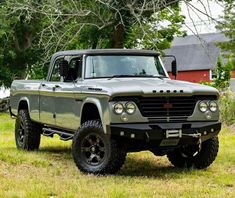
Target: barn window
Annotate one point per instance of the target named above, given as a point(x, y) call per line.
point(213, 74)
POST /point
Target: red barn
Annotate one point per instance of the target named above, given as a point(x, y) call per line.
point(196, 56)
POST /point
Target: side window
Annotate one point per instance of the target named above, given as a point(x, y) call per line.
point(56, 71)
point(74, 70)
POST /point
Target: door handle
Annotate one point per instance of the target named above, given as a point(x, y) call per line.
point(56, 87)
point(43, 85)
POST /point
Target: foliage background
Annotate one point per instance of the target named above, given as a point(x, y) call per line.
point(32, 30)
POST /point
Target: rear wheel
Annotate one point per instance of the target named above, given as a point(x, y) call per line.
point(194, 156)
point(95, 152)
point(27, 133)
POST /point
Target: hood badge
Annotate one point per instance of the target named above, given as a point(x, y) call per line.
point(94, 89)
point(168, 105)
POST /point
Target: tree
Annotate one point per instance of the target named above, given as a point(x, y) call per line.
point(18, 39)
point(102, 24)
point(158, 32)
point(31, 30)
point(223, 74)
point(227, 26)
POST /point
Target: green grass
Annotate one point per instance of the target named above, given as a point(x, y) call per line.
point(51, 172)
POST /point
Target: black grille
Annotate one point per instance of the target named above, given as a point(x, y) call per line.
point(165, 106)
point(162, 106)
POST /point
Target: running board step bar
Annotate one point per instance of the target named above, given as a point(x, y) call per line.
point(65, 136)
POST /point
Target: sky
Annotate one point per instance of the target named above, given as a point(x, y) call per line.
point(202, 22)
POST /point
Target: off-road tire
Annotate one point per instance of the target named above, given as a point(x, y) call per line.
point(202, 160)
point(114, 156)
point(29, 139)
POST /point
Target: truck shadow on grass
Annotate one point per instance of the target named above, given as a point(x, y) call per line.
point(148, 168)
point(134, 166)
point(57, 149)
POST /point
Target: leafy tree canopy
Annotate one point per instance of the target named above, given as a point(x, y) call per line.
point(227, 26)
point(32, 30)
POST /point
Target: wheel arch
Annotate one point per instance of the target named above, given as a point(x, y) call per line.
point(100, 112)
point(23, 104)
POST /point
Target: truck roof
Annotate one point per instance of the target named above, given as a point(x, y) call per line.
point(106, 51)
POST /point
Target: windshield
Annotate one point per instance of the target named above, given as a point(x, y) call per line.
point(122, 65)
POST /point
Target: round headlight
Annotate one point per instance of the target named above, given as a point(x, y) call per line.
point(130, 107)
point(118, 108)
point(203, 106)
point(213, 106)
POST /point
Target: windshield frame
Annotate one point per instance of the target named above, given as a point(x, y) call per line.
point(137, 76)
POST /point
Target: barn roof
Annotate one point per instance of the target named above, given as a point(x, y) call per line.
point(195, 52)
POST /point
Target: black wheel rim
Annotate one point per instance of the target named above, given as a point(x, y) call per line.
point(21, 134)
point(93, 150)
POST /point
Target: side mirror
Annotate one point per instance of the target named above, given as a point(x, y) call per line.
point(64, 68)
point(174, 71)
point(174, 68)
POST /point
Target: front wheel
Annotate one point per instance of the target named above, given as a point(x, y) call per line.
point(95, 152)
point(193, 156)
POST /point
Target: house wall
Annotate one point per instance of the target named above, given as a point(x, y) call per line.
point(193, 76)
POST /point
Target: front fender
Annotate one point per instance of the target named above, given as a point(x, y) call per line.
point(103, 109)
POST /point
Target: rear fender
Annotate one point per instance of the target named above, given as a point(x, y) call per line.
point(24, 100)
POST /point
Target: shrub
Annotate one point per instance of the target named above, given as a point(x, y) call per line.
point(212, 83)
point(227, 107)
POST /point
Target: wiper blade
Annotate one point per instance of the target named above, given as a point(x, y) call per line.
point(150, 76)
point(120, 76)
point(137, 75)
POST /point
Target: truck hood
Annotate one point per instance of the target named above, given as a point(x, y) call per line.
point(147, 86)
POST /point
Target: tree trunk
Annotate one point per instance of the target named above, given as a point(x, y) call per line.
point(117, 40)
point(94, 45)
point(25, 44)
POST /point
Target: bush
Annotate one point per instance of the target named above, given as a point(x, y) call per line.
point(227, 107)
point(223, 74)
point(212, 83)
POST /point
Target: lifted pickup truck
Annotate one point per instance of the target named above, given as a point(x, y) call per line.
point(114, 101)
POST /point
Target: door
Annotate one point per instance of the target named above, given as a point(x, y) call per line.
point(47, 96)
point(67, 107)
point(47, 105)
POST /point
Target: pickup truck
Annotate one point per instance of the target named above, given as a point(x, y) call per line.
point(113, 101)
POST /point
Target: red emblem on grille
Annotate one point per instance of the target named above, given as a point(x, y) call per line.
point(167, 105)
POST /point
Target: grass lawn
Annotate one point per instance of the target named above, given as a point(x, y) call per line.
point(51, 172)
